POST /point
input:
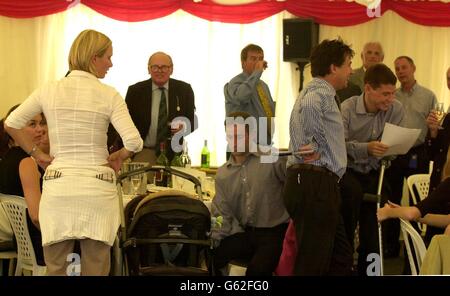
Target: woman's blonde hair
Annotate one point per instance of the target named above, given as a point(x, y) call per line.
point(88, 44)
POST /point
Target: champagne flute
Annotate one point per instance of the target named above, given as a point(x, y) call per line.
point(136, 182)
point(440, 113)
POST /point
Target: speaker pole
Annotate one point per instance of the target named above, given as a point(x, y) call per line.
point(301, 68)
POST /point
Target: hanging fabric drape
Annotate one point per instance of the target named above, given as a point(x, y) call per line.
point(333, 13)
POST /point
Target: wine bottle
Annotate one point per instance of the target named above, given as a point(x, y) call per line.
point(185, 159)
point(176, 160)
point(161, 176)
point(205, 156)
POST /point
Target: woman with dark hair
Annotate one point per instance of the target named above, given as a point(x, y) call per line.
point(5, 138)
point(21, 176)
point(79, 195)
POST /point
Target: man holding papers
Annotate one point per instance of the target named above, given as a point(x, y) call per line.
point(364, 119)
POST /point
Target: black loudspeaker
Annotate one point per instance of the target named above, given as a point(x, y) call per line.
point(299, 38)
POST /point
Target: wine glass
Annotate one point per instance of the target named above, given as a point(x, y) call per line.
point(440, 113)
point(136, 183)
point(137, 179)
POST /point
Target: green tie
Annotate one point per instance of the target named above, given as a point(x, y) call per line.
point(162, 132)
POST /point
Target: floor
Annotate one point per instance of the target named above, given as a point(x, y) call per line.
point(394, 266)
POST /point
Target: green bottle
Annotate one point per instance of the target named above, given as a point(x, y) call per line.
point(205, 156)
point(162, 177)
point(176, 160)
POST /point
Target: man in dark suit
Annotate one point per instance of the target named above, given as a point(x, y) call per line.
point(372, 54)
point(151, 118)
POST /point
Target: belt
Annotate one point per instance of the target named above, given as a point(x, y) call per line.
point(310, 167)
point(51, 174)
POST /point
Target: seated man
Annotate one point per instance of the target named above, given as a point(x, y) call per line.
point(249, 198)
point(364, 118)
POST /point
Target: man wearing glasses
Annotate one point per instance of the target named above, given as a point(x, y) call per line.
point(153, 105)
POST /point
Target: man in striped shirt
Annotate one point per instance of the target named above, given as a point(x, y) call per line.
point(311, 193)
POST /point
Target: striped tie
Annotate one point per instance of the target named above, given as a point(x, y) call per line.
point(162, 133)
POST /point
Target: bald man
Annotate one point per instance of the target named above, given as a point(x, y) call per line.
point(418, 102)
point(144, 104)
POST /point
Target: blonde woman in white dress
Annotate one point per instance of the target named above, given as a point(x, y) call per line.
point(79, 197)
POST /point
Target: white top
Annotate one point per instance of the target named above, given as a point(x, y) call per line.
point(78, 109)
point(74, 203)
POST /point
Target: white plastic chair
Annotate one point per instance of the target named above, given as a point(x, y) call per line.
point(7, 248)
point(417, 245)
point(8, 255)
point(16, 210)
point(422, 184)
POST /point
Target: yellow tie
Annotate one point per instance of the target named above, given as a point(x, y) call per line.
point(264, 100)
point(266, 107)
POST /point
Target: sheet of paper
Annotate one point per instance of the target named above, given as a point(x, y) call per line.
point(399, 139)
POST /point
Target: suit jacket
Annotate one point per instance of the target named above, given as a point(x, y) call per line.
point(348, 92)
point(139, 103)
point(357, 77)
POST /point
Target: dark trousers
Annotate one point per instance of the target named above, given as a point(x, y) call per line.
point(353, 187)
point(260, 247)
point(312, 199)
point(36, 241)
point(351, 196)
point(416, 161)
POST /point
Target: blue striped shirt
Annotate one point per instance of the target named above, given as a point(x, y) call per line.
point(316, 120)
point(241, 95)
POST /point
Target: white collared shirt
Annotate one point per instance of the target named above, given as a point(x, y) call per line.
point(78, 109)
point(150, 139)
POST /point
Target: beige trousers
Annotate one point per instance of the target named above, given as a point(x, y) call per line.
point(147, 155)
point(95, 258)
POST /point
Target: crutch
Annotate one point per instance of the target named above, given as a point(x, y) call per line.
point(377, 198)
